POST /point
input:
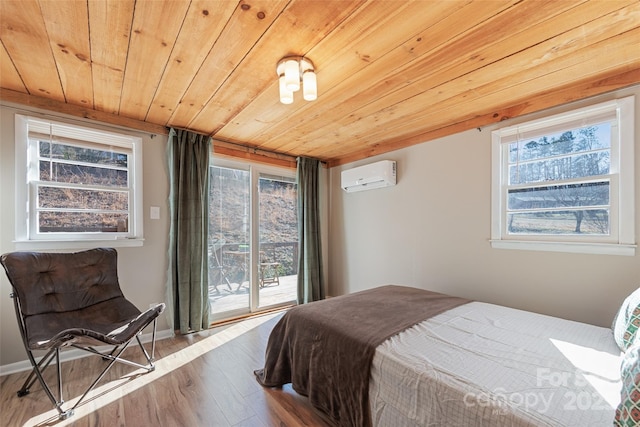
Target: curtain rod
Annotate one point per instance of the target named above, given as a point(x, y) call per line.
point(248, 148)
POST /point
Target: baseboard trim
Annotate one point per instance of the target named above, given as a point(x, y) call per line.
point(74, 353)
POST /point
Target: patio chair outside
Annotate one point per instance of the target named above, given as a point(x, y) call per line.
point(269, 269)
point(216, 266)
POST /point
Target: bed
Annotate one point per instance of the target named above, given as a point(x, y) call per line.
point(462, 363)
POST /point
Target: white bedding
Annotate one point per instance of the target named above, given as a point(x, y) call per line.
point(486, 365)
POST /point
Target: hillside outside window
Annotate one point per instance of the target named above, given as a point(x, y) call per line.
point(81, 184)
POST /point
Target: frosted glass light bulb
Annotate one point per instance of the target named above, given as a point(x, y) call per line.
point(309, 86)
point(286, 96)
point(292, 74)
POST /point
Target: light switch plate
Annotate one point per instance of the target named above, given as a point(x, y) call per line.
point(154, 212)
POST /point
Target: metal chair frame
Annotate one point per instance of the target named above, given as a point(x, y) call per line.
point(43, 364)
point(82, 330)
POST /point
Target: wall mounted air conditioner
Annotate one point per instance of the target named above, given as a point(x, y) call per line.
point(368, 177)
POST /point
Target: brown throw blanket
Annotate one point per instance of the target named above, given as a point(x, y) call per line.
point(325, 348)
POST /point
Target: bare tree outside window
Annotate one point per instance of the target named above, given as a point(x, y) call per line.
point(565, 182)
point(559, 183)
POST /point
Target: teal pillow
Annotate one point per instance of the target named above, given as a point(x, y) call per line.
point(621, 323)
point(631, 333)
point(628, 411)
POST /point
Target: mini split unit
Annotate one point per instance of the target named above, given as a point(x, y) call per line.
point(367, 177)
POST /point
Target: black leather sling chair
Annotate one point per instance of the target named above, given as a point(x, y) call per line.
point(74, 300)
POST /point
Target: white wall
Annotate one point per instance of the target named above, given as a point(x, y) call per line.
point(432, 231)
point(141, 270)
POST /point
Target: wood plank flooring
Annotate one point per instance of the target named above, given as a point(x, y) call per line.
point(203, 379)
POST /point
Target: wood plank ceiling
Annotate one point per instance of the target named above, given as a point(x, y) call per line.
point(390, 73)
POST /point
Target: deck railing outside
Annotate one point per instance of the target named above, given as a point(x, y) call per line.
point(229, 276)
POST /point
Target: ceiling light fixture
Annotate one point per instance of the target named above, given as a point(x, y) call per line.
point(295, 72)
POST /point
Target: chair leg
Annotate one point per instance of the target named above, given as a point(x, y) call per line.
point(151, 367)
point(37, 371)
point(59, 375)
point(57, 403)
point(112, 357)
point(116, 358)
point(112, 360)
point(150, 358)
point(153, 340)
point(32, 378)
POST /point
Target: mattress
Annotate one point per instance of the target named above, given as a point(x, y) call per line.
point(487, 365)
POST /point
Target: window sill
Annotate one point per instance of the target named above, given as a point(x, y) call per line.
point(571, 247)
point(76, 244)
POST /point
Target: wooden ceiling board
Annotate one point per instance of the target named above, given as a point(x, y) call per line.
point(527, 90)
point(110, 28)
point(347, 52)
point(570, 93)
point(477, 113)
point(444, 89)
point(259, 65)
point(483, 82)
point(492, 83)
point(390, 74)
point(154, 30)
point(189, 53)
point(9, 76)
point(402, 83)
point(356, 50)
point(470, 116)
point(25, 38)
point(248, 23)
point(68, 30)
point(410, 69)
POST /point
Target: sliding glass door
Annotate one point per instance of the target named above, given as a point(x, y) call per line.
point(229, 237)
point(252, 238)
point(278, 240)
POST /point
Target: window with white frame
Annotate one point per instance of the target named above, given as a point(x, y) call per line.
point(566, 183)
point(80, 184)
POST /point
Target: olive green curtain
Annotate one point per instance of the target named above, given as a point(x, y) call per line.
point(310, 278)
point(188, 275)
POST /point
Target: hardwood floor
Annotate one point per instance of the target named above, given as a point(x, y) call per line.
point(203, 379)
